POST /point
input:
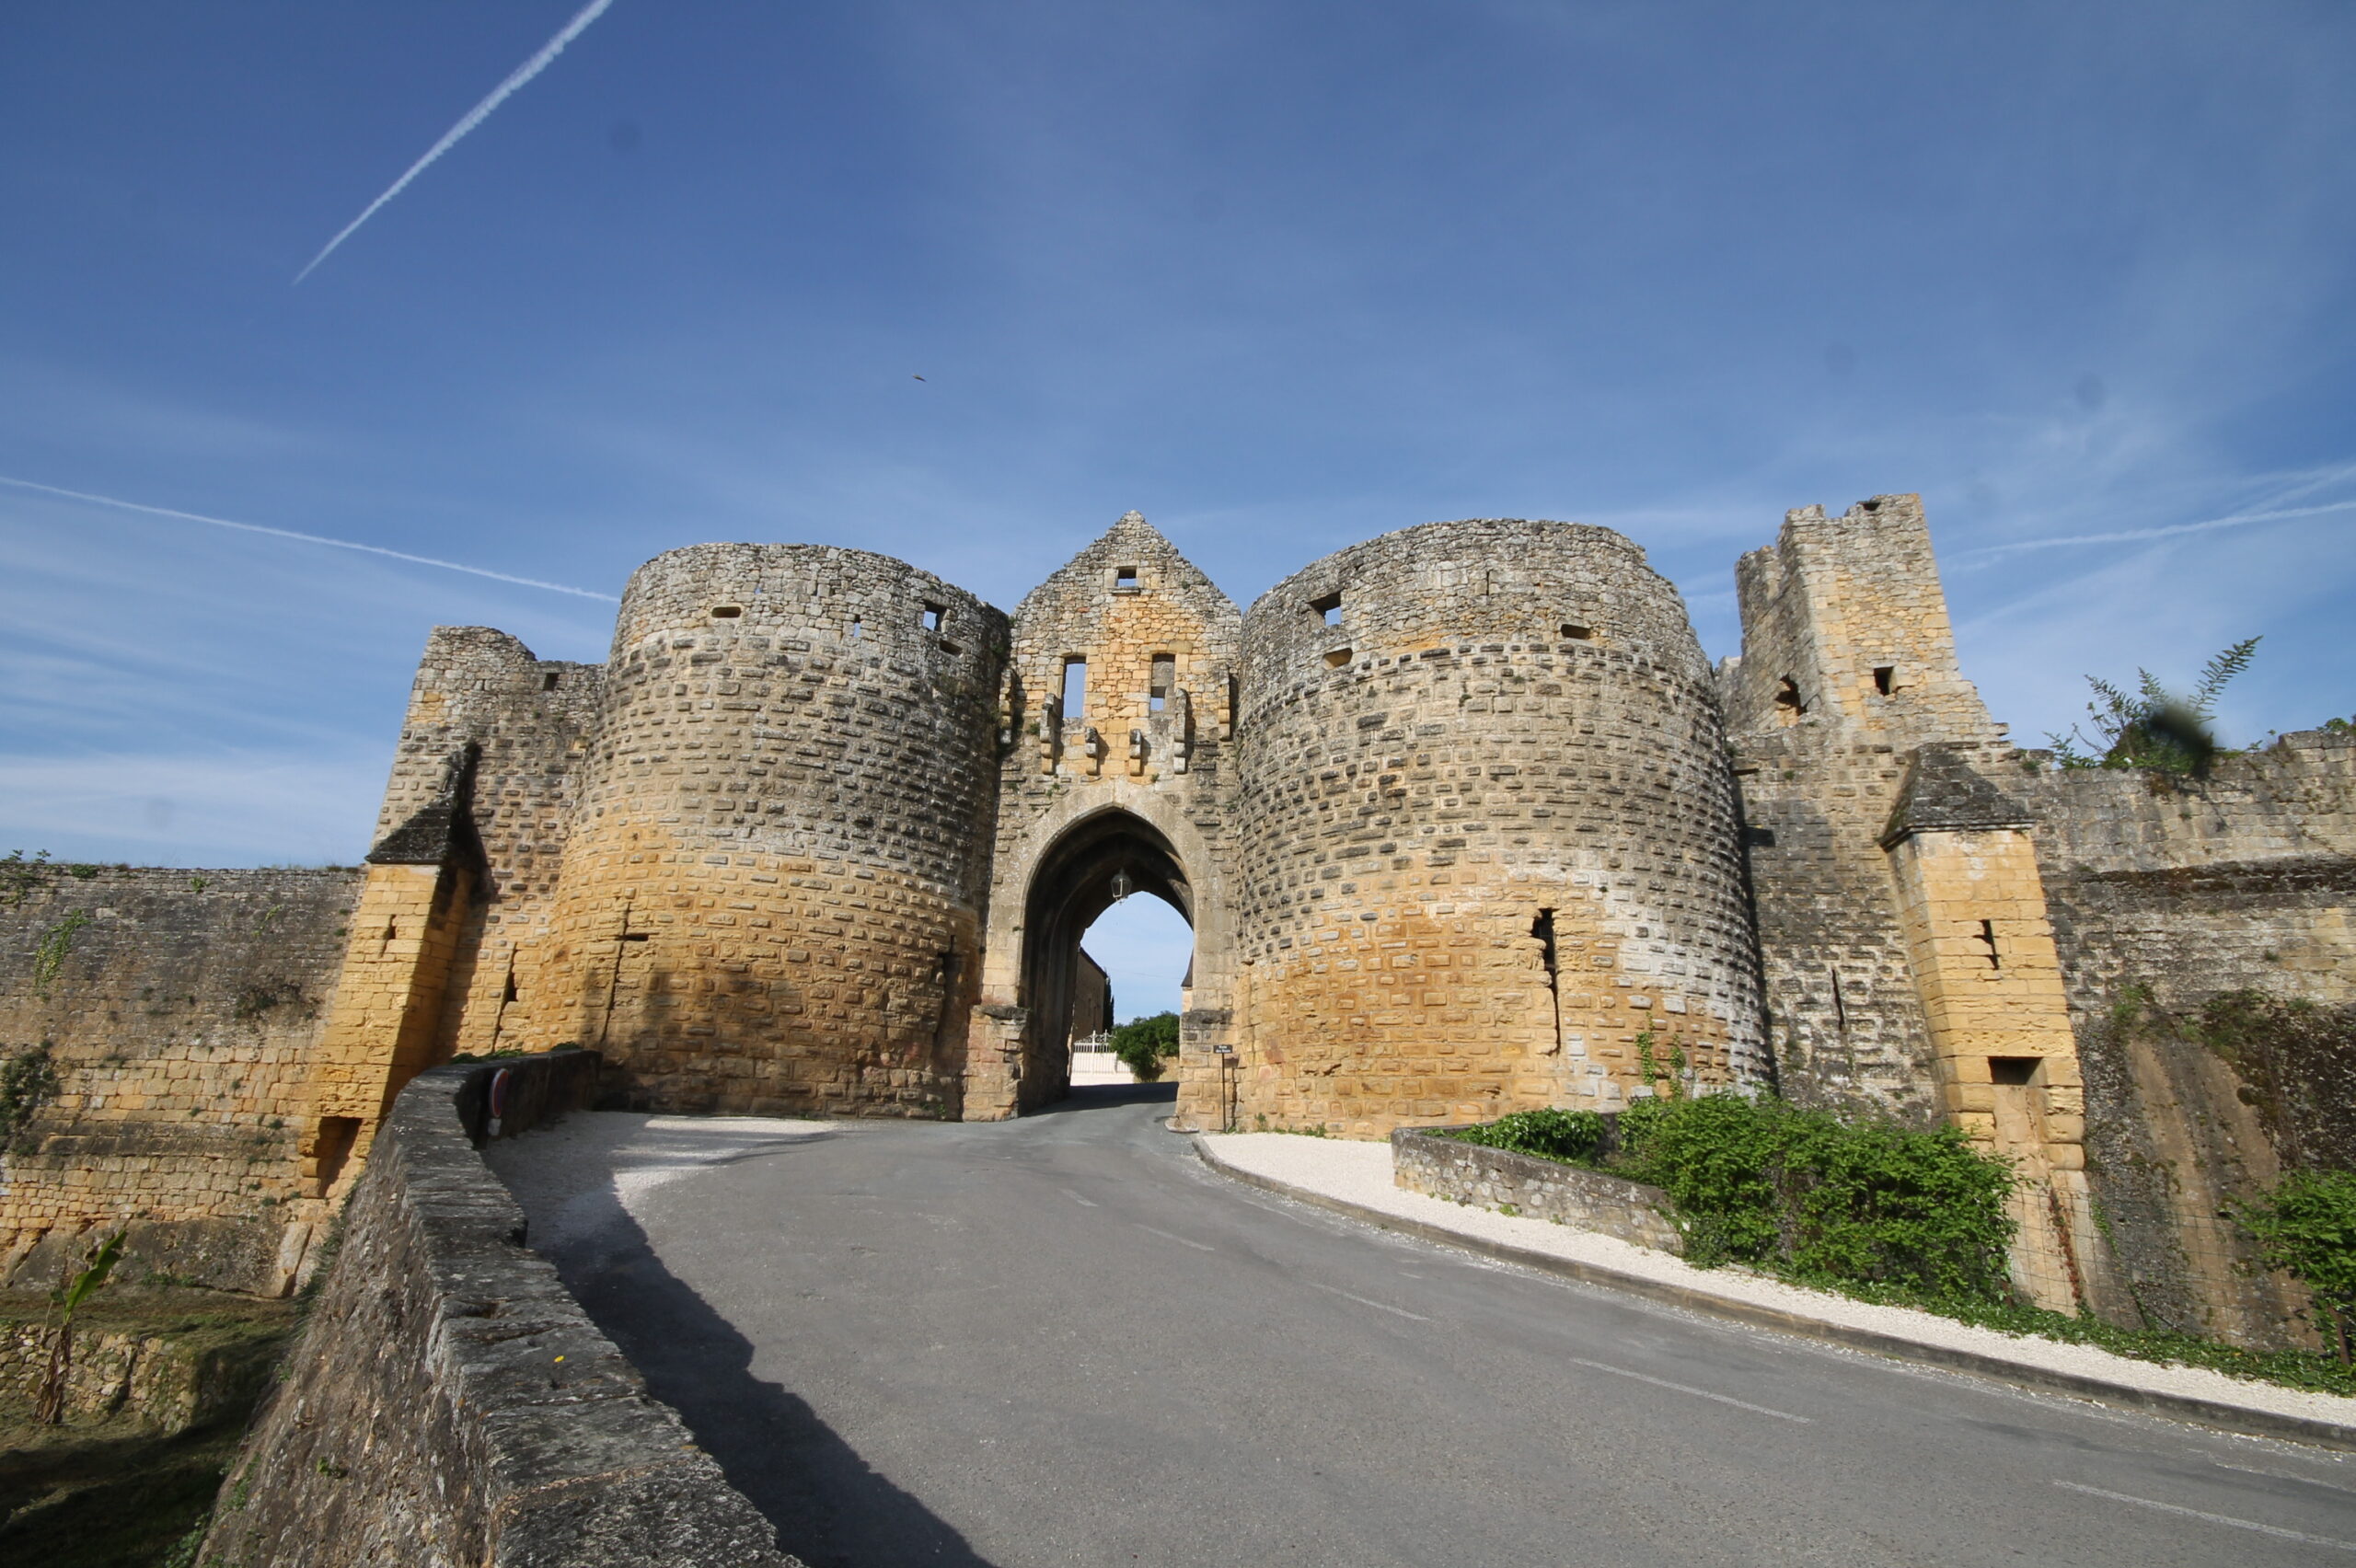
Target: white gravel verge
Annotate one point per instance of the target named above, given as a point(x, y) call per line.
point(1359, 1173)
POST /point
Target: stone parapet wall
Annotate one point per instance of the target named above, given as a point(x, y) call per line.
point(182, 1012)
point(449, 1404)
point(1421, 1160)
point(1487, 835)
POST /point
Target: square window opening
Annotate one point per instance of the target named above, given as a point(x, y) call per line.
point(1337, 658)
point(548, 682)
point(726, 612)
point(1124, 580)
point(1884, 678)
point(1329, 608)
point(935, 615)
point(2015, 1070)
point(1573, 632)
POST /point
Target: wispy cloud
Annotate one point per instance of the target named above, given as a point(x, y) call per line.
point(472, 117)
point(308, 538)
point(2140, 536)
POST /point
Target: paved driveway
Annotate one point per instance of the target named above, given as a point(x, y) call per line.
point(1063, 1341)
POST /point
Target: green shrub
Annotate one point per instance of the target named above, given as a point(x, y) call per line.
point(2306, 1227)
point(1800, 1192)
point(1144, 1043)
point(1573, 1136)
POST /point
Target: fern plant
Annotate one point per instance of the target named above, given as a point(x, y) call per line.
point(2152, 726)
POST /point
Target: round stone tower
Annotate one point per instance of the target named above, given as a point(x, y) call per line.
point(770, 897)
point(1488, 846)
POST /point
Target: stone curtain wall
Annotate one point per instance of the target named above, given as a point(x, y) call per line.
point(449, 1404)
point(2166, 894)
point(1488, 835)
point(1423, 1161)
point(771, 895)
point(183, 1018)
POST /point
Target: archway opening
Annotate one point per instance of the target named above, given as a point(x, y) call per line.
point(1146, 952)
point(1103, 860)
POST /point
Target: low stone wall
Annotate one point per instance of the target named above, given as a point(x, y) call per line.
point(1424, 1161)
point(448, 1403)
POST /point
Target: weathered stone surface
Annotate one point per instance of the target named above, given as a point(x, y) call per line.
point(1486, 835)
point(1424, 1161)
point(448, 1403)
point(180, 1011)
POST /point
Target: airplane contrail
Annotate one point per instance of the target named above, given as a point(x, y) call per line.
point(2137, 536)
point(473, 117)
point(310, 539)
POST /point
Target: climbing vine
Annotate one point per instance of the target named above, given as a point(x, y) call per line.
point(49, 953)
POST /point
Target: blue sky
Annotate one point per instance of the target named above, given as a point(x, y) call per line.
point(1283, 276)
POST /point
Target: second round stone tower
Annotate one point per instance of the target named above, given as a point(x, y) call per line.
point(1487, 848)
point(770, 898)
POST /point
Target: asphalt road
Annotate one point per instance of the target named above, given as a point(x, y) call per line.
point(1064, 1340)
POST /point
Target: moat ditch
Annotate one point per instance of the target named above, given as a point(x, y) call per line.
point(163, 1382)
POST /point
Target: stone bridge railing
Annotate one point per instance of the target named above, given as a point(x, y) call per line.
point(448, 1403)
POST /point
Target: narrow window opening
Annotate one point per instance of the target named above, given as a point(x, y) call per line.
point(1884, 678)
point(1788, 706)
point(935, 615)
point(726, 612)
point(1124, 580)
point(508, 994)
point(1988, 936)
point(548, 682)
point(1075, 686)
point(1337, 658)
point(857, 630)
point(1840, 1005)
point(1165, 676)
point(1543, 930)
point(1573, 631)
point(1329, 608)
point(1231, 690)
point(2015, 1070)
point(392, 934)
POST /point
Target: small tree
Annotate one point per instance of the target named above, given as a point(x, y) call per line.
point(2306, 1227)
point(2152, 727)
point(1144, 1043)
point(50, 1409)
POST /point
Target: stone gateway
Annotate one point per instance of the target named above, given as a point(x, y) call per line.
point(1462, 819)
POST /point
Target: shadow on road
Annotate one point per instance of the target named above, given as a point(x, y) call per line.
point(1102, 1096)
point(831, 1508)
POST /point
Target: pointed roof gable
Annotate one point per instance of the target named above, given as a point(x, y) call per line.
point(1942, 794)
point(1134, 542)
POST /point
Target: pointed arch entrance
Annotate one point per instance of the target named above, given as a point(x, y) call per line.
point(1090, 865)
point(1052, 884)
